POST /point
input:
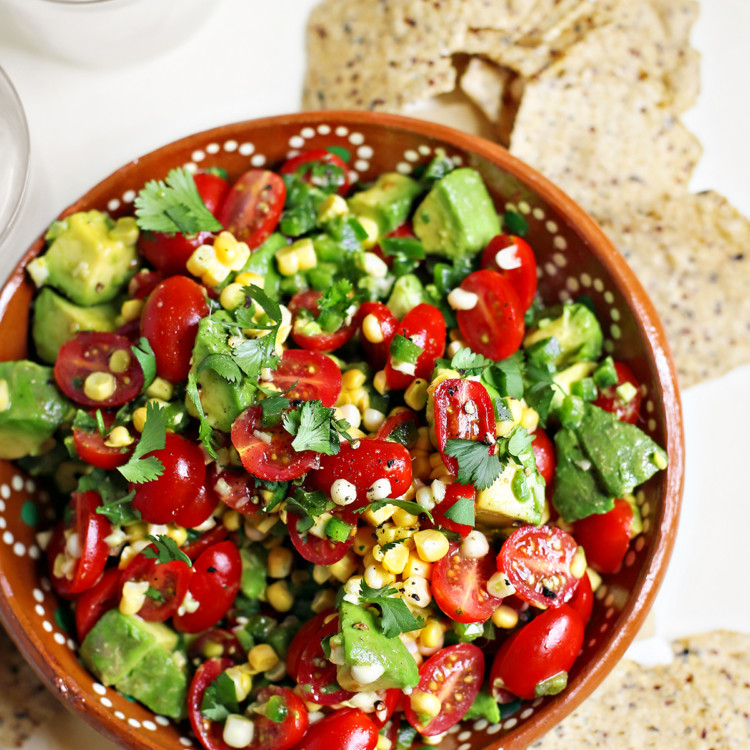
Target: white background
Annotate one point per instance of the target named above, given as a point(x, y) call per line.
point(247, 61)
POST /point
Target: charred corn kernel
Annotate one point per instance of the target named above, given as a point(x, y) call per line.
point(333, 206)
point(230, 252)
point(578, 563)
point(133, 596)
point(161, 389)
point(238, 731)
point(402, 517)
point(383, 743)
point(131, 310)
point(594, 578)
point(377, 576)
point(417, 591)
point(364, 541)
point(279, 562)
point(420, 466)
point(99, 386)
point(231, 520)
point(139, 418)
point(379, 382)
point(262, 657)
point(287, 261)
point(119, 361)
point(344, 568)
point(353, 378)
point(498, 585)
point(323, 600)
point(505, 617)
point(373, 419)
point(232, 296)
point(395, 559)
point(350, 413)
point(379, 516)
point(431, 545)
point(248, 278)
point(242, 679)
point(321, 574)
point(389, 532)
point(305, 252)
point(119, 437)
point(372, 265)
point(279, 597)
point(416, 394)
point(373, 233)
point(371, 329)
point(425, 703)
point(431, 634)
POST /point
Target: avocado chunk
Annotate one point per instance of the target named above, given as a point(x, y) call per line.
point(31, 408)
point(484, 707)
point(406, 294)
point(90, 257)
point(365, 645)
point(262, 261)
point(57, 320)
point(253, 580)
point(516, 495)
point(574, 327)
point(457, 218)
point(141, 659)
point(388, 202)
point(222, 401)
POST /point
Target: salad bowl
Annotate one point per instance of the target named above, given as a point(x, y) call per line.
point(575, 260)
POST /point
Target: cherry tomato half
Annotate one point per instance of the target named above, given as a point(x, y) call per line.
point(217, 640)
point(453, 493)
point(582, 600)
point(199, 509)
point(544, 455)
point(494, 326)
point(536, 560)
point(401, 427)
point(306, 330)
point(143, 283)
point(459, 586)
point(210, 733)
point(544, 648)
point(347, 729)
point(314, 549)
point(236, 489)
point(313, 376)
point(387, 322)
point(454, 675)
point(320, 168)
point(280, 735)
point(92, 447)
point(513, 258)
point(625, 411)
point(300, 641)
point(207, 539)
point(90, 352)
point(606, 536)
point(97, 600)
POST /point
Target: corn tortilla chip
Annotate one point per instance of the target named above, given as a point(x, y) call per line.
point(484, 82)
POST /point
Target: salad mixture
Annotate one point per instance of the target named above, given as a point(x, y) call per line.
point(329, 473)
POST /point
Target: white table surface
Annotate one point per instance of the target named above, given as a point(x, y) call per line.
point(247, 61)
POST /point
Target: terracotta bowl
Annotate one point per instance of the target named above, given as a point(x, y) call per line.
point(575, 259)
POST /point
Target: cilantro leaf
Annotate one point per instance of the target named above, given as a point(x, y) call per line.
point(506, 376)
point(468, 362)
point(514, 223)
point(84, 421)
point(116, 500)
point(245, 316)
point(396, 617)
point(476, 465)
point(174, 205)
point(315, 428)
point(223, 365)
point(338, 298)
point(308, 506)
point(409, 506)
point(143, 352)
point(166, 550)
point(540, 390)
point(205, 431)
point(392, 545)
point(462, 511)
point(220, 699)
point(120, 511)
point(153, 437)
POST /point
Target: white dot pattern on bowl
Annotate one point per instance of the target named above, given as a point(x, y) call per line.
point(17, 483)
point(246, 149)
point(308, 133)
point(213, 148)
point(198, 155)
point(258, 160)
point(230, 146)
point(463, 736)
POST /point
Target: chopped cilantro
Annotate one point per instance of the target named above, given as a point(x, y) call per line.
point(315, 428)
point(143, 352)
point(116, 500)
point(506, 376)
point(476, 465)
point(462, 511)
point(396, 616)
point(514, 223)
point(166, 550)
point(468, 362)
point(153, 437)
point(308, 506)
point(220, 699)
point(223, 365)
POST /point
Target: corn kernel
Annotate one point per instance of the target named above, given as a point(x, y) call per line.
point(131, 310)
point(305, 252)
point(350, 413)
point(498, 585)
point(376, 553)
point(505, 617)
point(248, 278)
point(178, 533)
point(594, 578)
point(242, 679)
point(323, 600)
point(425, 703)
point(371, 329)
point(416, 394)
point(389, 532)
point(431, 545)
point(423, 441)
point(133, 596)
point(321, 574)
point(231, 520)
point(431, 634)
point(230, 252)
point(287, 261)
point(395, 559)
point(377, 577)
point(119, 361)
point(530, 419)
point(372, 265)
point(279, 596)
point(379, 516)
point(99, 386)
point(139, 418)
point(379, 382)
point(299, 576)
point(262, 657)
point(161, 389)
point(403, 518)
point(578, 563)
point(119, 437)
point(373, 419)
point(383, 743)
point(360, 398)
point(364, 541)
point(344, 568)
point(333, 206)
point(232, 296)
point(420, 466)
point(353, 378)
point(279, 562)
point(371, 228)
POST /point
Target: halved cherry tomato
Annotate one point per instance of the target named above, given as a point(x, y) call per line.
point(459, 586)
point(92, 447)
point(386, 707)
point(143, 283)
point(300, 641)
point(236, 489)
point(376, 351)
point(370, 460)
point(170, 322)
point(544, 648)
point(207, 539)
point(494, 326)
point(625, 411)
point(89, 529)
point(463, 409)
point(214, 585)
point(89, 352)
point(544, 455)
point(279, 735)
point(454, 675)
point(272, 457)
point(402, 427)
point(252, 208)
point(347, 729)
point(210, 733)
point(425, 326)
point(217, 639)
point(169, 581)
point(517, 265)
point(97, 600)
point(606, 536)
point(453, 493)
point(536, 560)
point(316, 550)
point(199, 509)
point(315, 375)
point(305, 311)
point(582, 600)
point(184, 473)
point(320, 168)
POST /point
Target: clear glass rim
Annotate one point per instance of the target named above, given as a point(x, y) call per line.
point(78, 2)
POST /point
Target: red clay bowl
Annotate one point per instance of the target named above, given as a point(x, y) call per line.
point(574, 258)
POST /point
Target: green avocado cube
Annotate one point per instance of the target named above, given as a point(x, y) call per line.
point(388, 202)
point(576, 330)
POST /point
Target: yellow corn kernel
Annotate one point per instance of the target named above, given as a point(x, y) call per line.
point(379, 382)
point(119, 361)
point(287, 261)
point(416, 394)
point(321, 574)
point(376, 553)
point(431, 545)
point(379, 516)
point(578, 563)
point(323, 600)
point(279, 562)
point(161, 389)
point(364, 541)
point(230, 252)
point(343, 399)
point(594, 579)
point(279, 597)
point(305, 252)
point(383, 743)
point(139, 418)
point(441, 374)
point(242, 679)
point(371, 329)
point(423, 441)
point(395, 559)
point(201, 259)
point(333, 206)
point(373, 233)
point(369, 558)
point(425, 703)
point(360, 398)
point(262, 657)
point(344, 568)
point(530, 419)
point(389, 532)
point(431, 634)
point(178, 533)
point(356, 433)
point(215, 274)
point(353, 379)
point(133, 596)
point(119, 437)
point(99, 386)
point(231, 520)
point(131, 310)
point(232, 296)
point(505, 617)
point(435, 460)
point(420, 466)
point(377, 576)
point(248, 278)
point(402, 517)
point(440, 472)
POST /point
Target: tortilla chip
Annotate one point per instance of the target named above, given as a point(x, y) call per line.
point(484, 82)
point(692, 255)
point(699, 701)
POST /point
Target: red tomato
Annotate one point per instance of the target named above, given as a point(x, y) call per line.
point(215, 638)
point(169, 253)
point(275, 460)
point(170, 579)
point(314, 168)
point(463, 409)
point(582, 600)
point(606, 536)
point(376, 351)
point(143, 283)
point(518, 265)
point(323, 341)
point(252, 208)
point(494, 326)
point(210, 733)
point(235, 488)
point(454, 674)
point(315, 375)
point(170, 322)
point(347, 729)
point(545, 647)
point(401, 427)
point(198, 510)
point(85, 541)
point(544, 455)
point(184, 474)
point(279, 735)
point(453, 493)
point(213, 536)
point(214, 585)
point(425, 326)
point(625, 411)
point(314, 549)
point(88, 352)
point(91, 447)
point(372, 459)
point(300, 641)
point(536, 560)
point(386, 707)
point(97, 600)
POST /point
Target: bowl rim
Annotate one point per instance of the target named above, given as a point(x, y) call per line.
point(651, 575)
